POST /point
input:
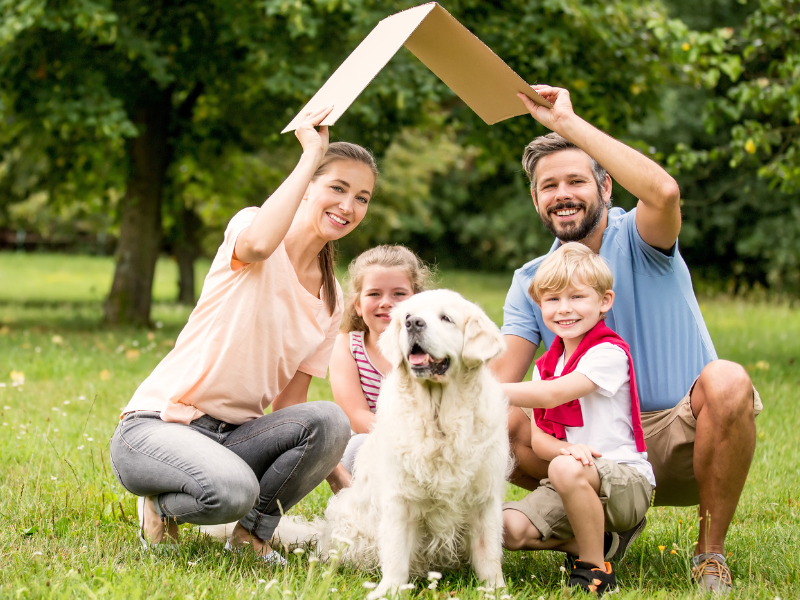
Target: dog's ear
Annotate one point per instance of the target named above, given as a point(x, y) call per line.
point(482, 341)
point(389, 342)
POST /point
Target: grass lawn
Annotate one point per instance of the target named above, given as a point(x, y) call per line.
point(69, 529)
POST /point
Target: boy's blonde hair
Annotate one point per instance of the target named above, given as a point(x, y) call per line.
point(572, 262)
point(383, 257)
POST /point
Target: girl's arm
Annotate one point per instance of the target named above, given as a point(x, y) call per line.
point(346, 386)
point(551, 393)
point(273, 219)
point(296, 392)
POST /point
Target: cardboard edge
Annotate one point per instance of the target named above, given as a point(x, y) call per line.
point(293, 124)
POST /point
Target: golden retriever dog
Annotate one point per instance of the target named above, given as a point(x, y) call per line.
point(429, 481)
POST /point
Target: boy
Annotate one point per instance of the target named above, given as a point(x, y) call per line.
point(598, 477)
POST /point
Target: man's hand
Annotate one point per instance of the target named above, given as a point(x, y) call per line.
point(581, 452)
point(552, 118)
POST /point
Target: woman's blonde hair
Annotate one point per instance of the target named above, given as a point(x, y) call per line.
point(383, 257)
point(572, 262)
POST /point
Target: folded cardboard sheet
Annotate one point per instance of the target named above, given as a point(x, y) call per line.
point(468, 66)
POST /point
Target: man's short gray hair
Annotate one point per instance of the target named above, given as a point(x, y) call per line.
point(551, 143)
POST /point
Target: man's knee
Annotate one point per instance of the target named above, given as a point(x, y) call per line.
point(725, 388)
point(519, 427)
point(518, 531)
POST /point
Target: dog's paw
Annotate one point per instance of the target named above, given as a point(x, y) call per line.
point(384, 589)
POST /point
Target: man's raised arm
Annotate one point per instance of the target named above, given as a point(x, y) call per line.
point(658, 215)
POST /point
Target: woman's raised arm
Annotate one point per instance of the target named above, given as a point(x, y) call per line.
point(272, 222)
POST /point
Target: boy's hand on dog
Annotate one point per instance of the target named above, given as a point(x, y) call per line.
point(582, 453)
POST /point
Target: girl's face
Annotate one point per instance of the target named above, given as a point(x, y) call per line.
point(381, 289)
point(337, 200)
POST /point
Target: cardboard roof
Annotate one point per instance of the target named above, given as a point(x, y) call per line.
point(468, 66)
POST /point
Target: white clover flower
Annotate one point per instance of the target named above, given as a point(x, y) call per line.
point(81, 397)
point(334, 591)
point(312, 560)
point(433, 585)
point(407, 586)
point(370, 585)
point(298, 551)
point(80, 447)
point(505, 597)
point(36, 554)
point(342, 539)
point(434, 575)
point(261, 581)
point(562, 568)
point(272, 583)
point(66, 401)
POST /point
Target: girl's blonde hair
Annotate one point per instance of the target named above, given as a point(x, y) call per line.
point(572, 262)
point(384, 257)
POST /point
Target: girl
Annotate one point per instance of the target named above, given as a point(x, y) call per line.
point(194, 442)
point(379, 279)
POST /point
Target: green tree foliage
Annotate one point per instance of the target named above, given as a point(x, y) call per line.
point(738, 150)
point(103, 95)
point(169, 113)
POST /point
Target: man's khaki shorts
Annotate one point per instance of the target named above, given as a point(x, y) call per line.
point(624, 493)
point(669, 435)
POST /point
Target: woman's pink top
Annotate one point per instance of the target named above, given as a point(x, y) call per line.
point(254, 327)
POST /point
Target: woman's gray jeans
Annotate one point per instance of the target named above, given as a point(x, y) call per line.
point(211, 472)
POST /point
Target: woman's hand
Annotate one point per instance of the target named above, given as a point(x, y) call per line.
point(311, 139)
point(552, 118)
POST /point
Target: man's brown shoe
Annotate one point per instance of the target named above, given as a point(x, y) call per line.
point(711, 574)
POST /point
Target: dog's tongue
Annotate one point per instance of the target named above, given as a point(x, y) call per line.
point(419, 359)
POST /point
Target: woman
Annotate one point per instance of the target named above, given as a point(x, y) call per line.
point(194, 442)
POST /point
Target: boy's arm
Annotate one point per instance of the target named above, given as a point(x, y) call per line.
point(551, 393)
point(544, 445)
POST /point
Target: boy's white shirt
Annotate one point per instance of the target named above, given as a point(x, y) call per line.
point(607, 423)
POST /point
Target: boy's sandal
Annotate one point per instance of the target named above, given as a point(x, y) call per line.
point(592, 578)
point(271, 558)
point(615, 545)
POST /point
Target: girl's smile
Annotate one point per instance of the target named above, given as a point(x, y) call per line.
point(381, 289)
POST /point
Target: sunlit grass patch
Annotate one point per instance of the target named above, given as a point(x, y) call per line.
point(69, 529)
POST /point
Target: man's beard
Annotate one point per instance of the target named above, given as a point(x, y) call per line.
point(574, 231)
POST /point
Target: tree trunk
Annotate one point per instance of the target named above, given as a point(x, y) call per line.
point(140, 232)
point(187, 249)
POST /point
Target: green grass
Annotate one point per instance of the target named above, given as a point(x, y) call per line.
point(68, 529)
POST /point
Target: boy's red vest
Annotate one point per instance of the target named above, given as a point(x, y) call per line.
point(553, 420)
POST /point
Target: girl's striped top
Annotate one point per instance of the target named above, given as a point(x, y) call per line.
point(371, 378)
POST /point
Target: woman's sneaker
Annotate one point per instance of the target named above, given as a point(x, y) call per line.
point(161, 535)
point(592, 578)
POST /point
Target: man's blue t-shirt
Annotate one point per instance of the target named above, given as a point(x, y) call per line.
point(655, 311)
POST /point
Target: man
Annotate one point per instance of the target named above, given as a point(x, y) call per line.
point(698, 411)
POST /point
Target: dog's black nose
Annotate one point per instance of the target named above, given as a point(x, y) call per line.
point(415, 323)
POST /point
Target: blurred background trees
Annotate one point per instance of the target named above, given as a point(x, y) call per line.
point(141, 127)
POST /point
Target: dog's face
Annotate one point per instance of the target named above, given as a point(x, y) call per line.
point(437, 333)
